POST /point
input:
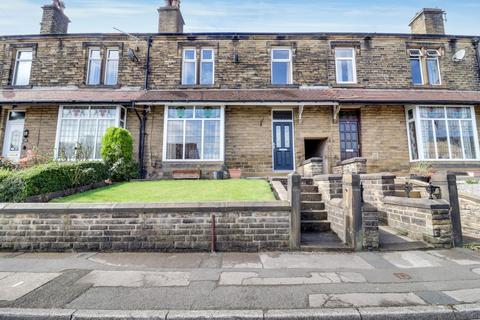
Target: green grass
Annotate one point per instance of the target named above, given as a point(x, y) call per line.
point(176, 191)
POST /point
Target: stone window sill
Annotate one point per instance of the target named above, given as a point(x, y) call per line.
point(101, 86)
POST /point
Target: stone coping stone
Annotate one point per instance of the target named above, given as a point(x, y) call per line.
point(328, 177)
point(352, 160)
point(317, 160)
point(407, 313)
point(416, 203)
point(377, 176)
point(336, 202)
point(62, 208)
point(280, 190)
point(469, 197)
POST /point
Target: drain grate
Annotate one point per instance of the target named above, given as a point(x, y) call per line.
point(402, 276)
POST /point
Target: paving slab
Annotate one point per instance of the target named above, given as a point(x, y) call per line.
point(119, 315)
point(465, 295)
point(241, 261)
point(100, 278)
point(16, 285)
point(412, 259)
point(477, 271)
point(407, 313)
point(216, 315)
point(313, 314)
point(151, 260)
point(36, 314)
point(364, 300)
point(436, 298)
point(313, 261)
point(252, 278)
point(457, 257)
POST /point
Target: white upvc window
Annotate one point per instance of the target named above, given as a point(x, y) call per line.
point(189, 69)
point(345, 65)
point(111, 67)
point(194, 133)
point(94, 66)
point(23, 67)
point(207, 67)
point(446, 133)
point(416, 66)
point(80, 130)
point(281, 66)
point(433, 67)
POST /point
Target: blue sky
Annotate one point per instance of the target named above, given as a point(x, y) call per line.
point(23, 16)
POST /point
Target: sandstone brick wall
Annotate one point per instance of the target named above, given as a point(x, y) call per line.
point(382, 62)
point(240, 227)
point(384, 139)
point(336, 217)
point(470, 215)
point(421, 219)
point(41, 121)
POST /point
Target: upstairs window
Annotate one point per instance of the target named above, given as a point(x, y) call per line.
point(425, 62)
point(195, 72)
point(23, 67)
point(111, 70)
point(416, 66)
point(96, 64)
point(433, 67)
point(345, 65)
point(94, 67)
point(442, 133)
point(281, 66)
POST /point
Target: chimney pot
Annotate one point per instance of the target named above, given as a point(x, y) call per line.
point(54, 20)
point(429, 21)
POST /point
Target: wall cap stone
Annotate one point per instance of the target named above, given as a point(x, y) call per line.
point(377, 176)
point(352, 160)
point(317, 160)
point(67, 208)
point(336, 202)
point(328, 177)
point(416, 203)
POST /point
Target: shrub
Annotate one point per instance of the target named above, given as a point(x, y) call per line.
point(117, 152)
point(6, 164)
point(4, 173)
point(20, 185)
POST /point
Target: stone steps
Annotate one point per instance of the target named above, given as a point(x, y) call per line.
point(314, 215)
point(311, 196)
point(315, 226)
point(313, 205)
point(309, 189)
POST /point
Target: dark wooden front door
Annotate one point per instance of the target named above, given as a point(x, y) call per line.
point(349, 134)
point(282, 146)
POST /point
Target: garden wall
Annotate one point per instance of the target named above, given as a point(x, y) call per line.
point(470, 214)
point(240, 226)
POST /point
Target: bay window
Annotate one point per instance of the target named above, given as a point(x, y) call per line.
point(193, 134)
point(23, 67)
point(80, 130)
point(442, 133)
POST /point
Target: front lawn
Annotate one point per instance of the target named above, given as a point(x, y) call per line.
point(176, 191)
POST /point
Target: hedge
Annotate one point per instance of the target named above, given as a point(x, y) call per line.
point(17, 186)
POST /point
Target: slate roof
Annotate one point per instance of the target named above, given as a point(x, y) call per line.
point(274, 95)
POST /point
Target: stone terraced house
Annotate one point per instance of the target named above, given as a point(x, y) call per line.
point(260, 102)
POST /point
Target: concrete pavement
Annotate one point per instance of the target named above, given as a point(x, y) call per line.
point(367, 285)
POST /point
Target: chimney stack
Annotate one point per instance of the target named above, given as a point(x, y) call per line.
point(170, 17)
point(54, 20)
point(429, 21)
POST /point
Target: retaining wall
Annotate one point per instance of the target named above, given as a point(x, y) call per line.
point(240, 226)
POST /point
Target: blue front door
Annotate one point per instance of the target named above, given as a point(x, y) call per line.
point(282, 146)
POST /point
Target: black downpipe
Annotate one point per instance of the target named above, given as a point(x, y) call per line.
point(147, 64)
point(142, 118)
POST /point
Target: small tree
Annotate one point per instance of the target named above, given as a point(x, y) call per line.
point(117, 152)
